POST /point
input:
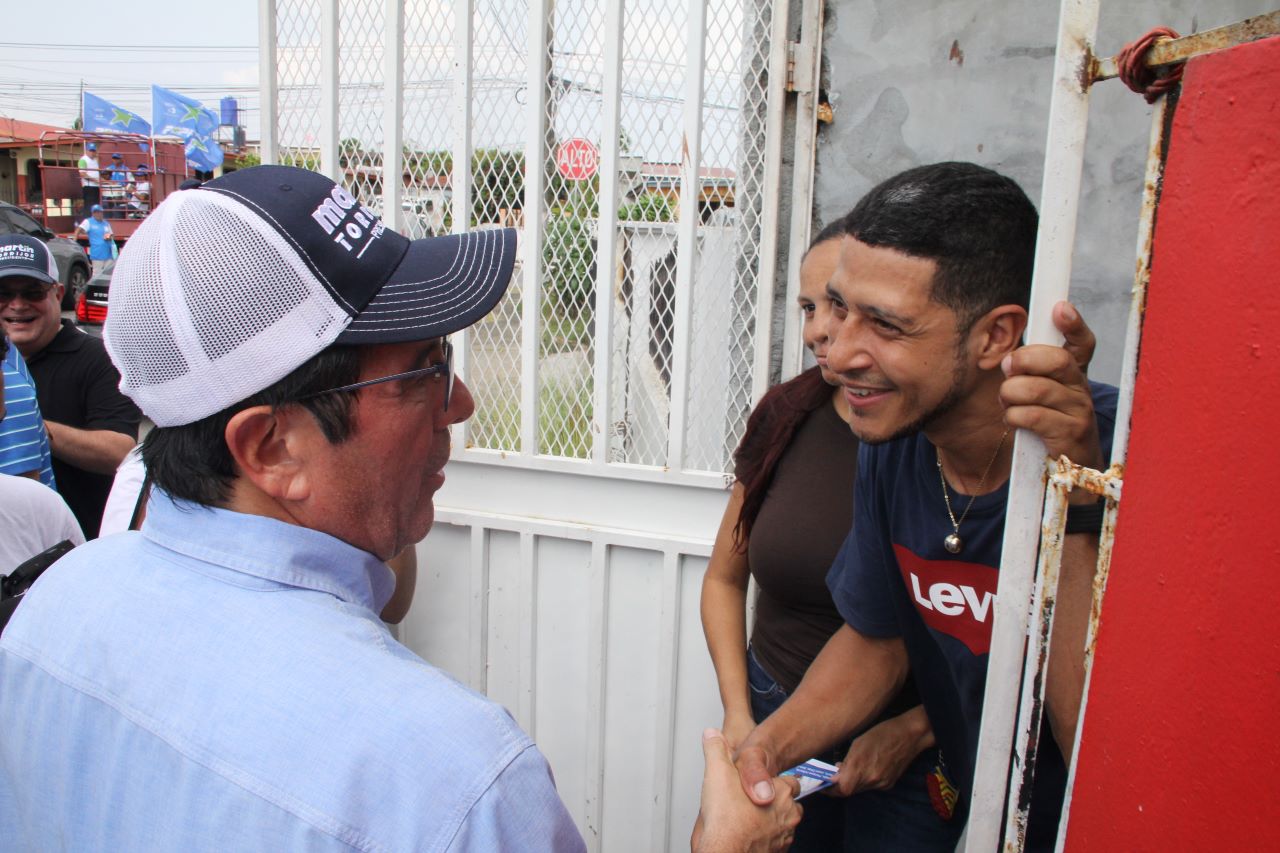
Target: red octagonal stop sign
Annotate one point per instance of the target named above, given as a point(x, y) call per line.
point(577, 159)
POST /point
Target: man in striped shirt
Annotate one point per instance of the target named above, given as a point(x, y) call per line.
point(24, 442)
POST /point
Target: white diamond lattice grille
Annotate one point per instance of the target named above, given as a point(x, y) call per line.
point(727, 276)
point(645, 305)
point(498, 102)
point(360, 98)
point(298, 81)
point(572, 211)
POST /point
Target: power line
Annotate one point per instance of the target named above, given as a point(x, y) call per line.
point(214, 48)
point(141, 88)
point(74, 73)
point(147, 61)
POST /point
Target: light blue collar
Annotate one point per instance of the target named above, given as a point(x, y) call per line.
point(269, 549)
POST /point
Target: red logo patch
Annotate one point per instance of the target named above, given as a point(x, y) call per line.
point(953, 597)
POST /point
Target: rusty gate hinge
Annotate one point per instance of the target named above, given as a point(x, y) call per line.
point(800, 56)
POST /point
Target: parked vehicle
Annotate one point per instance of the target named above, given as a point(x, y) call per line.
point(91, 300)
point(73, 264)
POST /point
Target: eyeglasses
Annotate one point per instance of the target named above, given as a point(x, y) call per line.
point(31, 293)
point(444, 367)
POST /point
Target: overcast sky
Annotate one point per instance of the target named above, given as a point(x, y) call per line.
point(119, 48)
point(204, 50)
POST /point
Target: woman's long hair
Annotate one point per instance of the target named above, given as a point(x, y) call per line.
point(774, 422)
point(769, 432)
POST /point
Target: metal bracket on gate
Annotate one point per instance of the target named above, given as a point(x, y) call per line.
point(1171, 51)
point(800, 67)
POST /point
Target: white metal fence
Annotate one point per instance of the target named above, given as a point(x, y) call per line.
point(448, 117)
point(1030, 563)
point(613, 381)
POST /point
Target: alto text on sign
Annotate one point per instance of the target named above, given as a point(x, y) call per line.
point(577, 159)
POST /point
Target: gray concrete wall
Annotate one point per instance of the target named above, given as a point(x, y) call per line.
point(918, 81)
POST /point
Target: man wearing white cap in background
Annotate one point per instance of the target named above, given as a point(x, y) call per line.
point(140, 199)
point(221, 680)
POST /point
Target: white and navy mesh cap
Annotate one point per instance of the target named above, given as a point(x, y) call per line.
point(227, 288)
point(28, 257)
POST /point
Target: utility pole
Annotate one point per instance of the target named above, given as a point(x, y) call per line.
point(81, 105)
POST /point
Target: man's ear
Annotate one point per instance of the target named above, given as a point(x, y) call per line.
point(266, 446)
point(998, 333)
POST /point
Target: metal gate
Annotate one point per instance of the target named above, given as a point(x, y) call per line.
point(614, 380)
point(1014, 700)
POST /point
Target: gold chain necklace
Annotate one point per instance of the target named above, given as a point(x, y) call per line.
point(953, 543)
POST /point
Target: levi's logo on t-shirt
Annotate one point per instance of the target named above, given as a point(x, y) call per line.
point(955, 598)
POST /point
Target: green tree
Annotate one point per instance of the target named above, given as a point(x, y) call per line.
point(351, 152)
point(422, 163)
point(497, 178)
point(568, 263)
point(301, 158)
point(650, 207)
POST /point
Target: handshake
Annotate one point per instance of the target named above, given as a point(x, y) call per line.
point(729, 821)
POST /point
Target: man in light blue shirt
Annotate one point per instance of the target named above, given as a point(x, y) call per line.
point(97, 230)
point(119, 171)
point(220, 680)
point(115, 189)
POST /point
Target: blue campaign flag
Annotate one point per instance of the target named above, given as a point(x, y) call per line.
point(177, 115)
point(101, 114)
point(174, 114)
point(204, 152)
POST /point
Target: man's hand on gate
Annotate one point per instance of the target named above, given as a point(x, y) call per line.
point(1045, 390)
point(1079, 339)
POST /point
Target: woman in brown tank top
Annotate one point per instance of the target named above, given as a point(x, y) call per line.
point(788, 513)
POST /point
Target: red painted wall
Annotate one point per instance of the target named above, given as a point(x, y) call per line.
point(1181, 745)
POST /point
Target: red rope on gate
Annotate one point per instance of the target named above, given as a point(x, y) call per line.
point(1141, 78)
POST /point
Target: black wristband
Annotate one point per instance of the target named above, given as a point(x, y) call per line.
point(1085, 518)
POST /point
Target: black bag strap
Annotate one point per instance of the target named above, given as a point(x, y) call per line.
point(7, 606)
point(15, 584)
point(139, 507)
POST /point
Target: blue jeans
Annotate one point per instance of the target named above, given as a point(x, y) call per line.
point(899, 820)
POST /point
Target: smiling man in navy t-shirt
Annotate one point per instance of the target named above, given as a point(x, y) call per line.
point(929, 309)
